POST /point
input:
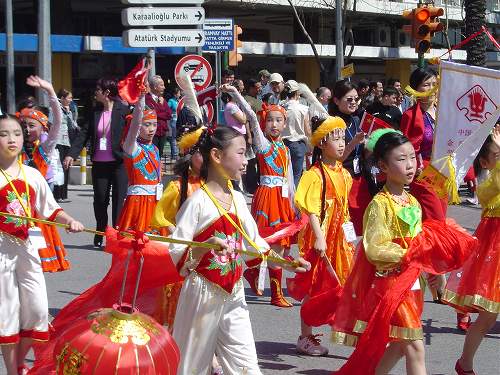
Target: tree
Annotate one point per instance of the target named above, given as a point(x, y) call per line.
point(475, 18)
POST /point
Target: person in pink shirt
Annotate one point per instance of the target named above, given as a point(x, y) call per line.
point(103, 132)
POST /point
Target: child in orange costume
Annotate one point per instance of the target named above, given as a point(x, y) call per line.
point(474, 288)
point(142, 163)
point(39, 144)
point(322, 195)
point(272, 205)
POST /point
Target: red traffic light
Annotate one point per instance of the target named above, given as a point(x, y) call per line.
point(422, 14)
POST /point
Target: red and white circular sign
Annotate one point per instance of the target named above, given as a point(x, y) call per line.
point(198, 68)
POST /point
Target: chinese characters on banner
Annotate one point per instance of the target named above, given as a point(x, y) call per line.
point(468, 108)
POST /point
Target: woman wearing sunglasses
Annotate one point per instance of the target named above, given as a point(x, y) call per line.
point(345, 104)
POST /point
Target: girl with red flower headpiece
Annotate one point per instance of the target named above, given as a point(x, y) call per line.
point(142, 163)
point(39, 147)
point(272, 205)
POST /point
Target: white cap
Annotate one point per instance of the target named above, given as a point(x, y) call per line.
point(276, 77)
point(292, 85)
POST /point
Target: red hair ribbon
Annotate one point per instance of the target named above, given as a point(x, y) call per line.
point(35, 115)
point(266, 109)
point(211, 128)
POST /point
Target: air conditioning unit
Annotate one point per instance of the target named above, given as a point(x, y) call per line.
point(382, 36)
point(402, 39)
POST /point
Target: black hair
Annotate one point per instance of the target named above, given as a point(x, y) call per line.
point(266, 97)
point(342, 87)
point(227, 73)
point(420, 75)
point(386, 143)
point(363, 83)
point(110, 84)
point(25, 102)
point(220, 138)
point(483, 153)
point(374, 84)
point(390, 91)
point(225, 97)
point(249, 83)
point(317, 159)
point(63, 93)
point(181, 168)
point(392, 81)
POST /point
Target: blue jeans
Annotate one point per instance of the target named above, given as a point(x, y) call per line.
point(297, 154)
point(172, 139)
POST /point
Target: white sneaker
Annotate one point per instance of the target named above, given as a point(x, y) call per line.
point(310, 345)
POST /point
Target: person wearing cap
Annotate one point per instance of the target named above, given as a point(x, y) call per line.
point(277, 86)
point(297, 130)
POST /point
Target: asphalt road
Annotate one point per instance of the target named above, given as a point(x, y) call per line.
point(276, 330)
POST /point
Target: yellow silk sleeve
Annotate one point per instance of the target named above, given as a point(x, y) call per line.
point(378, 234)
point(488, 192)
point(167, 207)
point(308, 193)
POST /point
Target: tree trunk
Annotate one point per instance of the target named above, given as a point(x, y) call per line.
point(475, 18)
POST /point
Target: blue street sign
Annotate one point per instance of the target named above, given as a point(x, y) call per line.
point(219, 34)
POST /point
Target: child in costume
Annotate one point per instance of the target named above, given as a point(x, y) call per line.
point(381, 303)
point(177, 191)
point(272, 202)
point(142, 162)
point(39, 147)
point(212, 315)
point(23, 296)
point(475, 288)
point(322, 195)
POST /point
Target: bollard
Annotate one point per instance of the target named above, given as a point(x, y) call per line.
point(83, 166)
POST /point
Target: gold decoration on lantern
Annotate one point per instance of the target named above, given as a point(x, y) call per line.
point(71, 361)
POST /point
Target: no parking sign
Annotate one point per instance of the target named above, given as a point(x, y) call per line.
point(198, 68)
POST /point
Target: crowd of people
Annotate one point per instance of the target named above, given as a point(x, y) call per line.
point(316, 180)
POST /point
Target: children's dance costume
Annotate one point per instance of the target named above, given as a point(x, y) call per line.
point(381, 300)
point(164, 216)
point(53, 257)
point(338, 182)
point(23, 295)
point(476, 287)
point(142, 163)
point(212, 314)
point(272, 202)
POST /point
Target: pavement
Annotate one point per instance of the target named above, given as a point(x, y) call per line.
point(276, 330)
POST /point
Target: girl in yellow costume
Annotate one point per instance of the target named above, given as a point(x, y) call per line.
point(322, 195)
point(475, 287)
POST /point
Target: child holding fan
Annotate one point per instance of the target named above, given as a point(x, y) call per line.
point(212, 315)
point(272, 202)
point(381, 303)
point(322, 195)
point(474, 288)
point(23, 296)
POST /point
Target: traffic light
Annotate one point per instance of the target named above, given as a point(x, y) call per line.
point(234, 56)
point(424, 23)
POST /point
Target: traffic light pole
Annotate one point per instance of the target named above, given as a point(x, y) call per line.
point(421, 60)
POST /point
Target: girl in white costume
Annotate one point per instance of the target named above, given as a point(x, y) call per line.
point(23, 296)
point(212, 314)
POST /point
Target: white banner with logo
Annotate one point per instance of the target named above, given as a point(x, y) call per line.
point(468, 108)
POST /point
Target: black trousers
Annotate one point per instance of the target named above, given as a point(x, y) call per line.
point(160, 142)
point(108, 177)
point(61, 192)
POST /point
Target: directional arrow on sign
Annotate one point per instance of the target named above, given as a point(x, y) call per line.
point(163, 38)
point(162, 16)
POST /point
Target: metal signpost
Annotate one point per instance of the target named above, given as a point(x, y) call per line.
point(219, 37)
point(177, 16)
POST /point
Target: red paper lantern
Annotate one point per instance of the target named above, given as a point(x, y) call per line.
point(111, 341)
